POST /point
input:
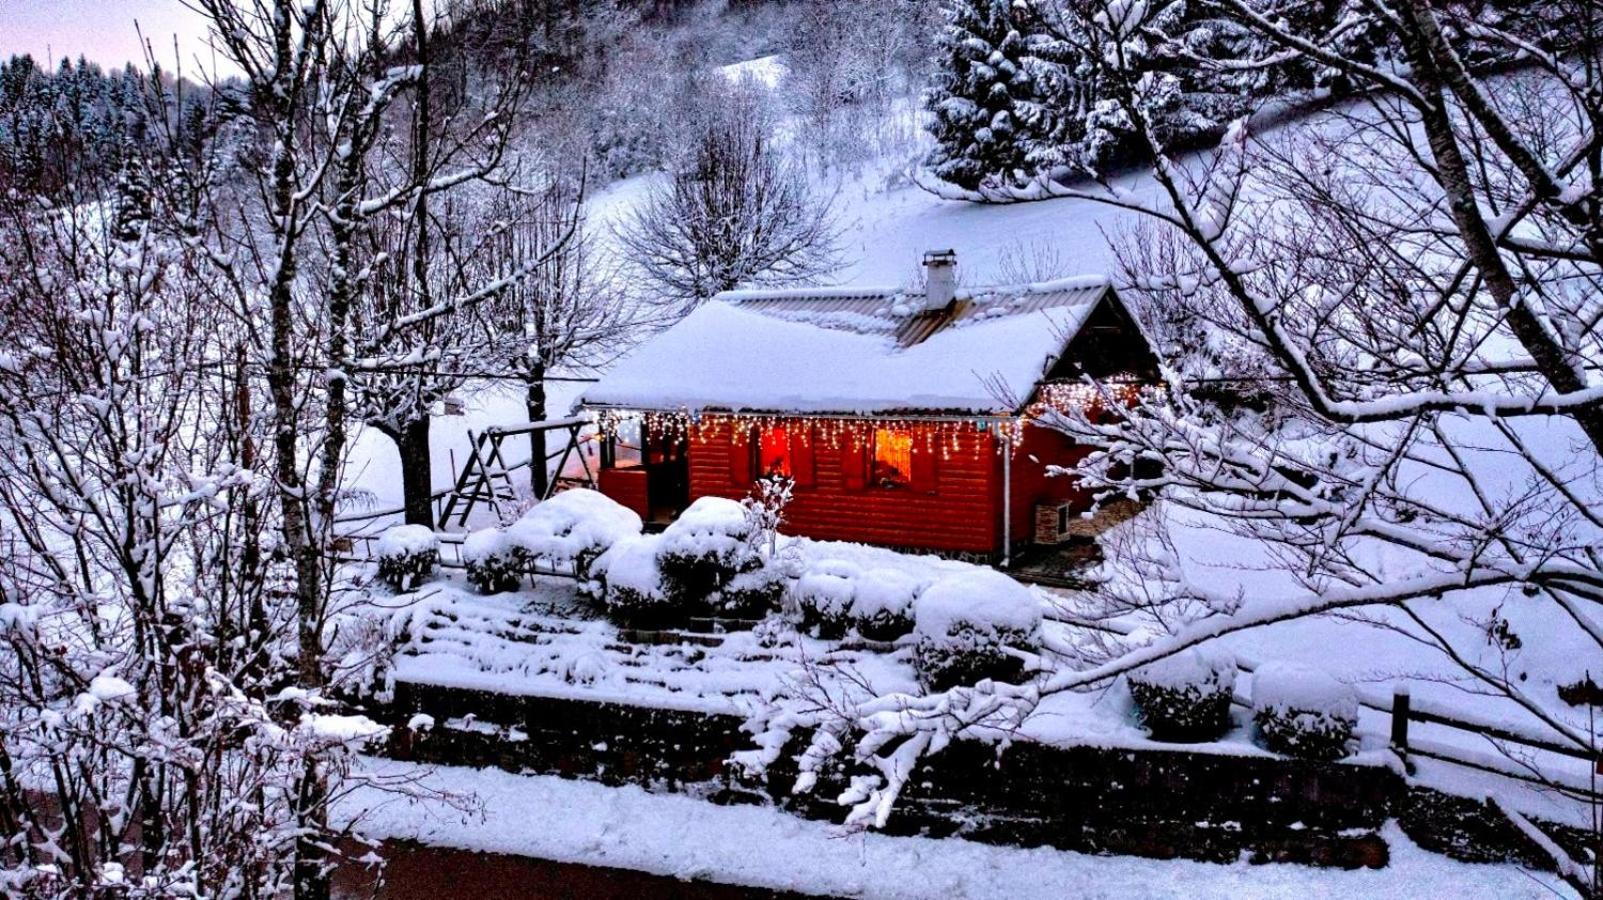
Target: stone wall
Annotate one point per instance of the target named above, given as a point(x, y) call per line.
point(1157, 803)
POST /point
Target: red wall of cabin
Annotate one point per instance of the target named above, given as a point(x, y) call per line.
point(628, 487)
point(961, 514)
point(1032, 485)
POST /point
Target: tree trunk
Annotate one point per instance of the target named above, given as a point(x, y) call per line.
point(535, 403)
point(417, 483)
point(311, 859)
point(1561, 368)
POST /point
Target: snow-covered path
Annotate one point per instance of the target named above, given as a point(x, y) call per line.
point(587, 823)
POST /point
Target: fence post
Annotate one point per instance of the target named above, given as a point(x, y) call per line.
point(1399, 720)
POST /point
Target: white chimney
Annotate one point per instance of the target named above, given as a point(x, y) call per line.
point(940, 279)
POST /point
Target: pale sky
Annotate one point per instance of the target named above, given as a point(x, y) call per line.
point(103, 30)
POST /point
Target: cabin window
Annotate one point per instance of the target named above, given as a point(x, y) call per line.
point(773, 453)
point(893, 458)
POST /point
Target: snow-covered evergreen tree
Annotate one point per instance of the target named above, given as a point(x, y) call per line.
point(988, 101)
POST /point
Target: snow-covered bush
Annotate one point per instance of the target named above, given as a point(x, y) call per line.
point(823, 597)
point(882, 604)
point(1185, 697)
point(491, 561)
point(752, 594)
point(633, 587)
point(1303, 711)
point(407, 554)
point(706, 547)
point(836, 596)
point(572, 528)
point(968, 624)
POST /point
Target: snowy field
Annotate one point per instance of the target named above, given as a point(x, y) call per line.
point(586, 823)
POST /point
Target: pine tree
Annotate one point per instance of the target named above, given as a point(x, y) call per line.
point(989, 108)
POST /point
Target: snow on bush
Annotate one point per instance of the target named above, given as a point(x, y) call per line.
point(967, 623)
point(407, 554)
point(572, 528)
point(1303, 711)
point(882, 605)
point(491, 561)
point(706, 547)
point(632, 581)
point(1185, 697)
point(823, 597)
point(833, 596)
point(752, 594)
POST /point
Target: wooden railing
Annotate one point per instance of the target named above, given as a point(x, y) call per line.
point(1404, 711)
point(360, 549)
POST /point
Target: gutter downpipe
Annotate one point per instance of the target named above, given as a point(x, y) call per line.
point(1007, 502)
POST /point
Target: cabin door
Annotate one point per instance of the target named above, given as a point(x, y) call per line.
point(667, 460)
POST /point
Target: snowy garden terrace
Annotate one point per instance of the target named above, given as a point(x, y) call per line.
point(597, 676)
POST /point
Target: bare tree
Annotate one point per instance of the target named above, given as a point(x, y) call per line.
point(283, 243)
point(144, 737)
point(848, 67)
point(427, 316)
point(1415, 276)
point(570, 313)
point(733, 210)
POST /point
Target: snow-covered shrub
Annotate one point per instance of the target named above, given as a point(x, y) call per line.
point(823, 597)
point(407, 554)
point(572, 528)
point(633, 587)
point(966, 625)
point(1185, 697)
point(882, 604)
point(1303, 711)
point(752, 594)
point(491, 561)
point(706, 547)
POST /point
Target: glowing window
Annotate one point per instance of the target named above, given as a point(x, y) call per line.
point(773, 452)
point(893, 458)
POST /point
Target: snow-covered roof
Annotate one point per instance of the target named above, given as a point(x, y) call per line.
point(855, 350)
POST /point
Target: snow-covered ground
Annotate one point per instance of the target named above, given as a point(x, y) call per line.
point(582, 822)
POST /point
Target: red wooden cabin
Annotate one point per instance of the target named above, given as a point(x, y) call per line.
point(900, 415)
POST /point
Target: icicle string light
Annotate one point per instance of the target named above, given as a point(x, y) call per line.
point(941, 434)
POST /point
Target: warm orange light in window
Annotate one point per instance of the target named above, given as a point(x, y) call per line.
point(773, 452)
point(893, 457)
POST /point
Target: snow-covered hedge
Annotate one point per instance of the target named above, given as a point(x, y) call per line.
point(752, 594)
point(882, 606)
point(491, 561)
point(823, 597)
point(834, 596)
point(633, 586)
point(407, 555)
point(572, 528)
point(1185, 697)
point(1303, 711)
point(966, 625)
point(706, 547)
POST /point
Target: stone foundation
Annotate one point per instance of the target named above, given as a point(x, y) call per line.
point(1148, 802)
